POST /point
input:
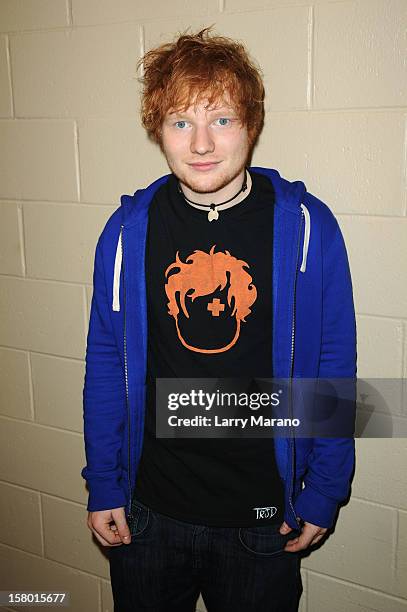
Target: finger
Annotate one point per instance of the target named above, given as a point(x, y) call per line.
point(285, 528)
point(293, 545)
point(299, 543)
point(99, 524)
point(103, 541)
point(106, 533)
point(123, 530)
point(110, 537)
point(317, 538)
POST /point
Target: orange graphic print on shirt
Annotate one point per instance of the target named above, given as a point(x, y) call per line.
point(202, 274)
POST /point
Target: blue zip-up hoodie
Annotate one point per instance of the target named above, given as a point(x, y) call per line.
point(314, 336)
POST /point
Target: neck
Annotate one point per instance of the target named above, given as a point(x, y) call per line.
point(220, 195)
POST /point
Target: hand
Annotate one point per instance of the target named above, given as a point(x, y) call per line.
point(110, 535)
point(310, 534)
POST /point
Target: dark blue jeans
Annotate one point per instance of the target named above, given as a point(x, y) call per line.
point(170, 562)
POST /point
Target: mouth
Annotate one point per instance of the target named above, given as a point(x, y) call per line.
point(204, 166)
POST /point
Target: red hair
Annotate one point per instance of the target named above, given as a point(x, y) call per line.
point(195, 67)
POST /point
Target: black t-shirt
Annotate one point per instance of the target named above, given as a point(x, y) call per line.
point(209, 296)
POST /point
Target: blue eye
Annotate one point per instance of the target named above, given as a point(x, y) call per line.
point(223, 120)
point(177, 124)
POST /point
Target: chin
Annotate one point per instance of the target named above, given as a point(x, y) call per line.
point(207, 184)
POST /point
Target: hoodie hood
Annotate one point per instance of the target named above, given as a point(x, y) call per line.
point(288, 195)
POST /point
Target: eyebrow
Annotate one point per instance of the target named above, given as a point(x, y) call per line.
point(221, 110)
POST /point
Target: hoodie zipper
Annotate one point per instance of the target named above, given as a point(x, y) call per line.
point(129, 514)
point(292, 368)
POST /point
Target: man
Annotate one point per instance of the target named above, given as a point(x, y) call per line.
point(215, 270)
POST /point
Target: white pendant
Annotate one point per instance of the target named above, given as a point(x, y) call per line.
point(213, 215)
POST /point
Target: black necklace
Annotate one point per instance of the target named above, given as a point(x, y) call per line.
point(213, 214)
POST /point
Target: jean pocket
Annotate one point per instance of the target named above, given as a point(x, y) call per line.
point(140, 518)
point(265, 541)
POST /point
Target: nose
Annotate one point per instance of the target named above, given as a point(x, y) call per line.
point(202, 142)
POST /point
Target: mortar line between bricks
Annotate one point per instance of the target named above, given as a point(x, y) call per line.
point(69, 12)
point(71, 567)
point(72, 432)
point(395, 539)
point(77, 161)
point(381, 316)
point(403, 351)
point(401, 109)
point(42, 533)
point(405, 166)
point(142, 49)
point(373, 215)
point(47, 280)
point(311, 59)
point(362, 587)
point(21, 234)
point(10, 76)
point(31, 386)
point(44, 201)
point(42, 353)
point(100, 595)
point(305, 593)
point(376, 503)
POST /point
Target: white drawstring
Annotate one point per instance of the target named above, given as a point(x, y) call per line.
point(116, 275)
point(307, 233)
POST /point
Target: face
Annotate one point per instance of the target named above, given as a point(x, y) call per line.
point(207, 149)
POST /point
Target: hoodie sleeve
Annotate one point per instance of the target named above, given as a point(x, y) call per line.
point(338, 346)
point(104, 400)
point(331, 461)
